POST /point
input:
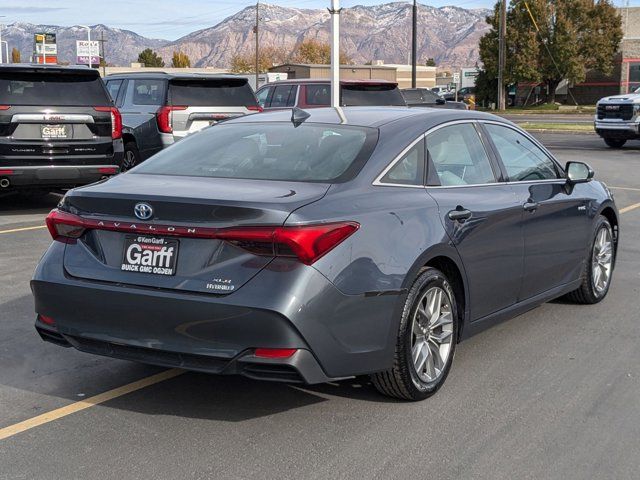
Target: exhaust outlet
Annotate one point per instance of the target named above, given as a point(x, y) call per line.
point(4, 183)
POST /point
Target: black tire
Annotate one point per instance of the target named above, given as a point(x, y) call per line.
point(131, 156)
point(587, 294)
point(615, 142)
point(402, 380)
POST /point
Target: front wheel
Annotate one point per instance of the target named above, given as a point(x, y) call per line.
point(615, 142)
point(426, 340)
point(596, 277)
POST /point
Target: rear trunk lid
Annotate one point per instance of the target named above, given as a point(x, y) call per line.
point(188, 204)
point(49, 117)
point(198, 102)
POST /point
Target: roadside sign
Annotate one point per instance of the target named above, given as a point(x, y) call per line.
point(86, 50)
point(456, 78)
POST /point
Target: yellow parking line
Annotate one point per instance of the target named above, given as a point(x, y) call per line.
point(629, 208)
point(23, 229)
point(625, 188)
point(11, 430)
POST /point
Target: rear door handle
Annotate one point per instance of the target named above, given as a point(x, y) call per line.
point(530, 206)
point(459, 214)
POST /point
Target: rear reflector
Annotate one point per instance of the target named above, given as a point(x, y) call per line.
point(306, 242)
point(46, 320)
point(5, 107)
point(275, 352)
point(255, 108)
point(116, 120)
point(108, 170)
point(6, 172)
point(163, 117)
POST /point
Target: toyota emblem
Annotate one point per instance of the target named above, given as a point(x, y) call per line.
point(143, 211)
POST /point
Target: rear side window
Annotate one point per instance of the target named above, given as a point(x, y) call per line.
point(50, 88)
point(458, 156)
point(523, 160)
point(268, 151)
point(147, 92)
point(262, 96)
point(318, 94)
point(211, 93)
point(410, 169)
point(372, 95)
point(113, 87)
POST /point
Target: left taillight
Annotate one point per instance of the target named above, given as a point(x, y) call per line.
point(255, 108)
point(64, 226)
point(116, 120)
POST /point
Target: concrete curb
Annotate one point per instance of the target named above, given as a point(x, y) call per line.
point(568, 132)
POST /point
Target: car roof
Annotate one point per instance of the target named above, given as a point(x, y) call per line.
point(179, 76)
point(35, 67)
point(307, 81)
point(373, 116)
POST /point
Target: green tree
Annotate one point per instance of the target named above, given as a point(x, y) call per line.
point(486, 88)
point(431, 62)
point(313, 51)
point(180, 60)
point(149, 58)
point(15, 55)
point(575, 36)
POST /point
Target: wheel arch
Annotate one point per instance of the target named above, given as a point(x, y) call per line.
point(610, 214)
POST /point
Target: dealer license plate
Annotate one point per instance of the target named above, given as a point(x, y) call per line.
point(152, 255)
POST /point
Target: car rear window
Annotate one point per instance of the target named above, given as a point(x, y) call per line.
point(48, 88)
point(211, 93)
point(268, 151)
point(372, 94)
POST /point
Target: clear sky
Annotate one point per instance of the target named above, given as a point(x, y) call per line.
point(170, 19)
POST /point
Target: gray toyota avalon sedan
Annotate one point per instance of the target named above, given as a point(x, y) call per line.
point(312, 246)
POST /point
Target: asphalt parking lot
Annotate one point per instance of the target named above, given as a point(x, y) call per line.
point(551, 394)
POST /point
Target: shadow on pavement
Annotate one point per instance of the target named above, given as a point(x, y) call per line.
point(15, 204)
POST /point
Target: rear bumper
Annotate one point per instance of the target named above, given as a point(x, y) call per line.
point(335, 335)
point(56, 175)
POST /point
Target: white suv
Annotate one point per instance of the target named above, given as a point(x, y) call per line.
point(618, 119)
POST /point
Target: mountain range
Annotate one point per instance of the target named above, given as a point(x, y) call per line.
point(381, 32)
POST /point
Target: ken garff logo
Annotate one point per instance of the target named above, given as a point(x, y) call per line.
point(143, 211)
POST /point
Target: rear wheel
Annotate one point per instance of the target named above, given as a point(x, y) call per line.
point(131, 156)
point(426, 340)
point(615, 142)
point(596, 277)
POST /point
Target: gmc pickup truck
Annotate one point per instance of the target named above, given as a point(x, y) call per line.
point(618, 118)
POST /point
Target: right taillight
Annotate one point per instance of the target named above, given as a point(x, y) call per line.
point(5, 107)
point(163, 117)
point(116, 120)
point(255, 108)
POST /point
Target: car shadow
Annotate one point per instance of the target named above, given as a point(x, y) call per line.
point(13, 204)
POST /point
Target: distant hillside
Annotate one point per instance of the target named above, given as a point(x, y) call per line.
point(122, 46)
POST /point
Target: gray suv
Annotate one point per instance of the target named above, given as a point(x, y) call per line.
point(58, 129)
point(160, 108)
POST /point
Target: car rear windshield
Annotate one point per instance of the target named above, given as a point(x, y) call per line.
point(49, 88)
point(372, 94)
point(211, 93)
point(268, 151)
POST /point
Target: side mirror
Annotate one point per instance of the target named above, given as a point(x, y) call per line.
point(578, 172)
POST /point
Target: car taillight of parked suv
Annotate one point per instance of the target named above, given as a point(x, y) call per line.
point(58, 128)
point(311, 93)
point(159, 108)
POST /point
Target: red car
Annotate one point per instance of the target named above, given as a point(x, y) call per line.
point(311, 93)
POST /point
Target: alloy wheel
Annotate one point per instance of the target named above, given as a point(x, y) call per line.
point(602, 260)
point(432, 334)
point(129, 160)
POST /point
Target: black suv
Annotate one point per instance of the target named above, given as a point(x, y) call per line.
point(58, 128)
point(160, 108)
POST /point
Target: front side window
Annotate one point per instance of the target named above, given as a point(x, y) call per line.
point(458, 157)
point(523, 160)
point(268, 151)
point(410, 169)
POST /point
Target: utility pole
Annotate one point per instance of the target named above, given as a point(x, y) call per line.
point(1, 60)
point(501, 53)
point(414, 45)
point(104, 59)
point(255, 30)
point(335, 53)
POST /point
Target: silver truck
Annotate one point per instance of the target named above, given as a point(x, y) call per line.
point(618, 118)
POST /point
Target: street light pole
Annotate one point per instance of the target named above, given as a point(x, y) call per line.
point(335, 53)
point(501, 53)
point(1, 60)
point(6, 49)
point(257, 54)
point(414, 43)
